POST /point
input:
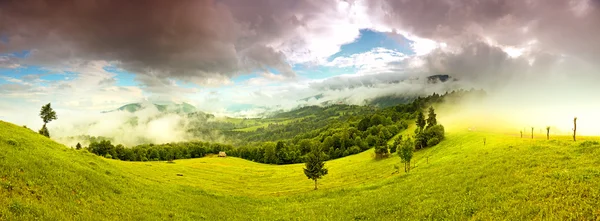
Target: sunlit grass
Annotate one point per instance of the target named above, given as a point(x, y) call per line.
point(509, 178)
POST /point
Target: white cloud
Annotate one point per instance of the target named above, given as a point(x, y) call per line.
point(375, 58)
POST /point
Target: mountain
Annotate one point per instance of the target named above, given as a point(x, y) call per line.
point(172, 108)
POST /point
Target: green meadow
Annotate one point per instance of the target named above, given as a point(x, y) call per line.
point(508, 178)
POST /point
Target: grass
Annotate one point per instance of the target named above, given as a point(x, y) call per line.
point(507, 179)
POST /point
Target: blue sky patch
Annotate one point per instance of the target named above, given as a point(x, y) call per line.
point(123, 77)
point(369, 40)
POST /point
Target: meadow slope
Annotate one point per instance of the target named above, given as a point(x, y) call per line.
point(507, 179)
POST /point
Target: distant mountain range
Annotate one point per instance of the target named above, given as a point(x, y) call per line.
point(184, 108)
point(380, 101)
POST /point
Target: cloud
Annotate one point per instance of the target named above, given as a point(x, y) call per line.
point(204, 42)
point(8, 62)
point(91, 89)
point(559, 26)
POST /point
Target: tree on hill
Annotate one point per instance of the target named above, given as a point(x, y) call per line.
point(548, 133)
point(47, 115)
point(78, 146)
point(405, 152)
point(431, 121)
point(315, 165)
point(420, 121)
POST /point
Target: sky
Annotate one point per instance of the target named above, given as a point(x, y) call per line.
point(241, 58)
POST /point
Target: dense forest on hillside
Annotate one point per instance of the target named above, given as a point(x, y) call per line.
point(340, 130)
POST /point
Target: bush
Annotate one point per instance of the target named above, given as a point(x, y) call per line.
point(381, 151)
point(12, 142)
point(433, 141)
point(108, 156)
point(435, 131)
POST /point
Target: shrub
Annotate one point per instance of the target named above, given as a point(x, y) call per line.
point(435, 131)
point(108, 156)
point(381, 151)
point(433, 141)
point(12, 142)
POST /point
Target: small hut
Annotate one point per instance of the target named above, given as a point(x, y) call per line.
point(222, 154)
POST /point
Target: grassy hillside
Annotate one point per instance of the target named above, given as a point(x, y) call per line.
point(507, 179)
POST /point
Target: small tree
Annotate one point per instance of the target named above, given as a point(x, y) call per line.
point(431, 121)
point(47, 115)
point(78, 146)
point(315, 165)
point(405, 152)
point(521, 134)
point(548, 133)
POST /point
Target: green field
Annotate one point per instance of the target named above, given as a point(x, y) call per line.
point(507, 179)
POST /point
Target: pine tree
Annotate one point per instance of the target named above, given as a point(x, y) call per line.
point(420, 121)
point(315, 165)
point(431, 121)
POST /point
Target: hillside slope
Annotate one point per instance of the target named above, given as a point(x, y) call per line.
point(508, 179)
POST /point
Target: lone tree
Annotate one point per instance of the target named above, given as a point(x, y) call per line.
point(548, 133)
point(47, 115)
point(315, 165)
point(431, 121)
point(420, 122)
point(78, 146)
point(405, 152)
point(521, 134)
point(574, 128)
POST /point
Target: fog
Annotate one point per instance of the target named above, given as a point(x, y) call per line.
point(539, 98)
point(147, 125)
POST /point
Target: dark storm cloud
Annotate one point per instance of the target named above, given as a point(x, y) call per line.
point(570, 27)
point(175, 38)
point(477, 62)
point(190, 40)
